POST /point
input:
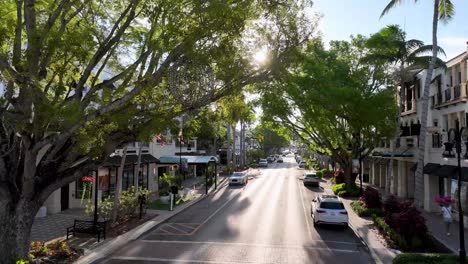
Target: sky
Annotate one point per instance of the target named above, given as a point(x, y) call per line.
point(342, 18)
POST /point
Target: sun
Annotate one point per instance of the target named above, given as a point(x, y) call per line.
point(261, 56)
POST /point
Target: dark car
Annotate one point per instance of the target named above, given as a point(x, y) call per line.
point(270, 160)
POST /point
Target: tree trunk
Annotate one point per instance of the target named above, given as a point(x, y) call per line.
point(234, 159)
point(16, 220)
point(138, 167)
point(419, 177)
point(118, 185)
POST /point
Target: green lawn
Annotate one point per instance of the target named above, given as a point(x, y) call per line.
point(158, 205)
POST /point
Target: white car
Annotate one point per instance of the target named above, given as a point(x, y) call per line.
point(302, 164)
point(263, 163)
point(328, 209)
point(238, 178)
point(311, 179)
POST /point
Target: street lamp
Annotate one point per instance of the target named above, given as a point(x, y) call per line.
point(455, 136)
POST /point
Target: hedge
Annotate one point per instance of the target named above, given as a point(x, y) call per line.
point(414, 258)
point(362, 211)
point(399, 241)
point(340, 190)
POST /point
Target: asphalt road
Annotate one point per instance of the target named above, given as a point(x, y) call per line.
point(267, 221)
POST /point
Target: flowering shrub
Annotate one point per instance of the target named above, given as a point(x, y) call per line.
point(338, 177)
point(371, 198)
point(105, 208)
point(128, 203)
point(391, 205)
point(340, 190)
point(444, 200)
point(87, 187)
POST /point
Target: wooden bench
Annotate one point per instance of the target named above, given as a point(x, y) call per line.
point(87, 227)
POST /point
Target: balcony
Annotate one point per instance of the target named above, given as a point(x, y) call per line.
point(453, 95)
point(409, 107)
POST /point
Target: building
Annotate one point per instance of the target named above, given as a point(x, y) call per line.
point(163, 155)
point(447, 106)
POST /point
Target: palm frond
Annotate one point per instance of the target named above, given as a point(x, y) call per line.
point(446, 10)
point(425, 50)
point(423, 62)
point(391, 5)
point(413, 44)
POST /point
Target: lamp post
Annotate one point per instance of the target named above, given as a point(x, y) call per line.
point(455, 136)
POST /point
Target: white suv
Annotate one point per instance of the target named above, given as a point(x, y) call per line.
point(328, 209)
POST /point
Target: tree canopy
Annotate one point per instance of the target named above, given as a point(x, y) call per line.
point(80, 78)
point(326, 99)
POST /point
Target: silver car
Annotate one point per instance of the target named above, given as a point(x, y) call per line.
point(263, 163)
point(238, 178)
point(311, 179)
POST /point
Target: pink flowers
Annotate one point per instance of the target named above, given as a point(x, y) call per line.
point(443, 200)
point(89, 179)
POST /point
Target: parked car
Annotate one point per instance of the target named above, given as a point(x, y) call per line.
point(270, 159)
point(298, 158)
point(279, 160)
point(238, 178)
point(311, 179)
point(263, 163)
point(302, 164)
point(328, 209)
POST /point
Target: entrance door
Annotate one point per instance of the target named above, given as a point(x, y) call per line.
point(64, 197)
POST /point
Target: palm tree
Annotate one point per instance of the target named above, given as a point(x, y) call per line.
point(390, 45)
point(443, 11)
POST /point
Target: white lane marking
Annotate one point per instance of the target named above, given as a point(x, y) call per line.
point(305, 211)
point(253, 244)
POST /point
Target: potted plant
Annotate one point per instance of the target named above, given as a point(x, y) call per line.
point(164, 196)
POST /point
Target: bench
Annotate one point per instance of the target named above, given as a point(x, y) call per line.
point(88, 227)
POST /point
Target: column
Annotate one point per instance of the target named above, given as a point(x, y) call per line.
point(430, 191)
point(402, 179)
point(372, 173)
point(382, 174)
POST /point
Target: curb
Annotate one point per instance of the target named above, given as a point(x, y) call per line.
point(114, 244)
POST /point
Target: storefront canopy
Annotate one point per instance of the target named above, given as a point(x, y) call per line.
point(116, 160)
point(430, 168)
point(446, 171)
point(200, 159)
point(173, 160)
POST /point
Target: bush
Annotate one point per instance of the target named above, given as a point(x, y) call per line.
point(128, 203)
point(327, 173)
point(389, 232)
point(390, 206)
point(362, 211)
point(414, 258)
point(371, 198)
point(105, 208)
point(319, 174)
point(340, 190)
point(163, 193)
point(409, 223)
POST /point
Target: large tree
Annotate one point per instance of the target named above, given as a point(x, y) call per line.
point(325, 101)
point(406, 56)
point(80, 78)
point(443, 10)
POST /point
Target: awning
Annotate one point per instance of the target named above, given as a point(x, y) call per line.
point(464, 174)
point(200, 159)
point(446, 171)
point(414, 167)
point(430, 168)
point(116, 160)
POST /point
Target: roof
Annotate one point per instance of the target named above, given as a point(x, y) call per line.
point(115, 161)
point(329, 197)
point(172, 160)
point(200, 159)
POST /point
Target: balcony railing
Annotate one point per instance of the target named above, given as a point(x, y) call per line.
point(456, 92)
point(447, 95)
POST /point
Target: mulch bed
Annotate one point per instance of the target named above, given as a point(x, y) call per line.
point(124, 227)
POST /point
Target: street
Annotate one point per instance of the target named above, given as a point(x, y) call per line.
point(267, 221)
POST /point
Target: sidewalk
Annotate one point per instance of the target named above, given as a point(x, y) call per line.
point(435, 226)
point(364, 229)
point(437, 229)
point(111, 245)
